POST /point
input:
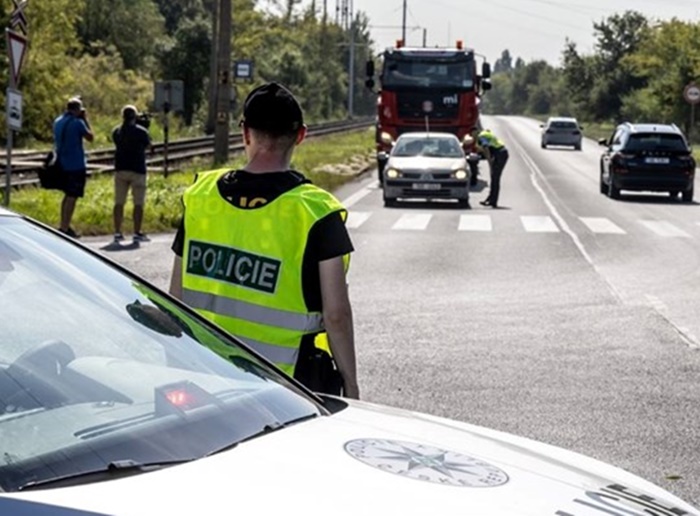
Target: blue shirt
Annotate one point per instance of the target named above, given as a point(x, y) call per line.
point(68, 134)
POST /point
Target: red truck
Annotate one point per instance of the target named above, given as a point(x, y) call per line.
point(437, 89)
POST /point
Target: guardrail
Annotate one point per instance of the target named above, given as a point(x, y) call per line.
point(25, 164)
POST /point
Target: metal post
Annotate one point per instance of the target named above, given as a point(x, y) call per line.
point(425, 38)
point(351, 71)
point(692, 123)
point(223, 100)
point(403, 33)
point(8, 165)
point(166, 126)
point(211, 111)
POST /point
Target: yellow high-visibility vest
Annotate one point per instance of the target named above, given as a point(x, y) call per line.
point(242, 268)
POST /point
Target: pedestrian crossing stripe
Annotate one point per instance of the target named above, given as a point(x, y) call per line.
point(530, 223)
point(602, 225)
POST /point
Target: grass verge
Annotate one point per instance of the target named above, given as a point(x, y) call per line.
point(328, 161)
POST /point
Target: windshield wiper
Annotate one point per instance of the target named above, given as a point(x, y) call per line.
point(117, 468)
point(267, 429)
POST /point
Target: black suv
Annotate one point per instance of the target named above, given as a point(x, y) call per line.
point(647, 157)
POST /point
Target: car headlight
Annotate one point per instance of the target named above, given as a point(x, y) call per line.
point(460, 174)
point(393, 173)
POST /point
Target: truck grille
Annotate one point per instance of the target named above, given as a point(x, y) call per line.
point(410, 105)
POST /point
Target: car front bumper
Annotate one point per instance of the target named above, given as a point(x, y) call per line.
point(416, 189)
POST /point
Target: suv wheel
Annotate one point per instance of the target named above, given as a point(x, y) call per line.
point(613, 191)
point(688, 195)
point(603, 186)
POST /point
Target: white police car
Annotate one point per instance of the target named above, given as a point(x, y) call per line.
point(115, 399)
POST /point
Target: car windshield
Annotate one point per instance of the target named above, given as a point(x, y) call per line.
point(656, 142)
point(435, 147)
point(103, 369)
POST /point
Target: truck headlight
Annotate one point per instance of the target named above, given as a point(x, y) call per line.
point(460, 174)
point(393, 173)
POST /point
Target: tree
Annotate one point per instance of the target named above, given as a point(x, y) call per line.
point(503, 64)
point(133, 27)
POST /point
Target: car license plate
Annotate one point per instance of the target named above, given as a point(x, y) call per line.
point(426, 186)
point(657, 161)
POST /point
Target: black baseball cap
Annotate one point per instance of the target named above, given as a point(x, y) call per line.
point(272, 108)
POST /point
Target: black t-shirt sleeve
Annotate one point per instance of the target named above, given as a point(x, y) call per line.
point(328, 238)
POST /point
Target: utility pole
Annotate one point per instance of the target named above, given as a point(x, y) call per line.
point(425, 38)
point(403, 32)
point(223, 78)
point(211, 111)
point(351, 67)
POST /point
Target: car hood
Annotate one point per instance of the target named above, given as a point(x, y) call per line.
point(426, 163)
point(368, 460)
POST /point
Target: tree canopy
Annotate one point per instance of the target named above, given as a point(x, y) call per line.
point(112, 51)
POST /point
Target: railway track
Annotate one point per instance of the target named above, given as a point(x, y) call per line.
point(25, 164)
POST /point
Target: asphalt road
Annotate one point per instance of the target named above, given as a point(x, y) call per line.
point(564, 316)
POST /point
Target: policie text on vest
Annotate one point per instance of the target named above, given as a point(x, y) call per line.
point(233, 266)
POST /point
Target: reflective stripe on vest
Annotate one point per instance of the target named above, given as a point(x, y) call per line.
point(242, 268)
point(307, 323)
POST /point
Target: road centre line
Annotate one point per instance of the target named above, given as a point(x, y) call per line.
point(535, 174)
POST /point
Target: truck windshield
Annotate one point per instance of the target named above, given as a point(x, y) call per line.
point(427, 73)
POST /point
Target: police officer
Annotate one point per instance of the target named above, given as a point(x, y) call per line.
point(263, 253)
point(495, 152)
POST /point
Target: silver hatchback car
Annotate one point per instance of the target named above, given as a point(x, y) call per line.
point(562, 131)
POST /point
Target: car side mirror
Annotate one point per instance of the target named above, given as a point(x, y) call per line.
point(369, 84)
point(486, 70)
point(603, 142)
point(542, 126)
point(486, 85)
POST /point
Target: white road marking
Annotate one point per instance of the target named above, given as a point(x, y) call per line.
point(536, 174)
point(357, 218)
point(664, 229)
point(539, 224)
point(602, 225)
point(475, 223)
point(413, 221)
point(356, 197)
point(660, 307)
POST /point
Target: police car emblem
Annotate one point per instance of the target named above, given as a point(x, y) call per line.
point(426, 463)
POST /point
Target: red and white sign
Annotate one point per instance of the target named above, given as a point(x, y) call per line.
point(16, 50)
point(691, 93)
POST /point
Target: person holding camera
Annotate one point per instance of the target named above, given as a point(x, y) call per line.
point(132, 140)
point(70, 129)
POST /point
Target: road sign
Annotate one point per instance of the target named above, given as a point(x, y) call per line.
point(16, 50)
point(243, 69)
point(18, 20)
point(691, 93)
point(169, 96)
point(14, 109)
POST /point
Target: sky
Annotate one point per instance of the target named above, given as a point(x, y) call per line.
point(530, 29)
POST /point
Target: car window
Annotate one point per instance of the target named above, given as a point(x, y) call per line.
point(563, 125)
point(408, 147)
point(102, 367)
point(656, 142)
point(429, 146)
